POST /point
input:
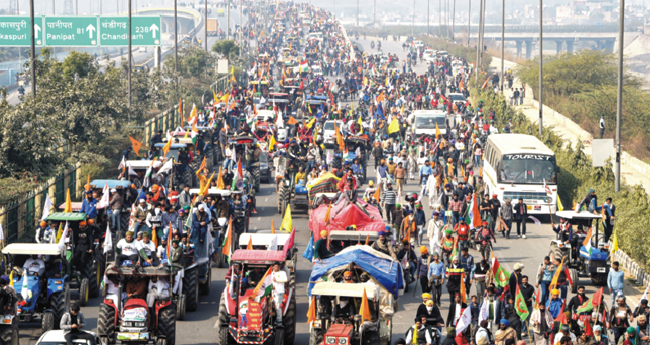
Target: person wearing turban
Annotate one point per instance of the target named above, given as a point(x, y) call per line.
point(321, 251)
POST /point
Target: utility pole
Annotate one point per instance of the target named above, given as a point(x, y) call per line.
point(228, 27)
point(439, 19)
point(33, 57)
point(130, 58)
point(453, 23)
point(176, 39)
point(469, 22)
point(478, 40)
point(483, 30)
point(53, 6)
point(413, 21)
point(100, 7)
point(241, 27)
point(619, 97)
point(503, 45)
point(541, 62)
point(205, 32)
point(428, 12)
point(357, 13)
point(374, 12)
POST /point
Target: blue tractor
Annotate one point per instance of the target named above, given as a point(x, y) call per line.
point(585, 258)
point(356, 148)
point(39, 275)
point(293, 193)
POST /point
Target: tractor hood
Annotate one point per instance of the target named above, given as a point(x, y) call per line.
point(596, 254)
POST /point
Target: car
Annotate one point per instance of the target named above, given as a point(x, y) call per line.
point(328, 131)
point(56, 338)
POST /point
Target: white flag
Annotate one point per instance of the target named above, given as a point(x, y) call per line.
point(274, 243)
point(465, 320)
point(279, 123)
point(122, 164)
point(108, 240)
point(2, 233)
point(132, 172)
point(64, 236)
point(105, 200)
point(644, 297)
point(46, 207)
point(329, 158)
point(165, 167)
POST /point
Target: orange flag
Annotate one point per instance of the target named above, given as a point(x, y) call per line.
point(220, 183)
point(291, 121)
point(328, 214)
point(461, 85)
point(462, 171)
point(203, 164)
point(463, 292)
point(87, 186)
point(378, 192)
point(364, 310)
point(205, 190)
point(339, 138)
point(486, 83)
point(68, 203)
point(250, 243)
point(367, 239)
point(311, 313)
point(556, 276)
point(180, 108)
point(154, 238)
point(136, 146)
point(273, 226)
point(166, 148)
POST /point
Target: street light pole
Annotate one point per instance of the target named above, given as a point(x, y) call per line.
point(619, 97)
point(453, 23)
point(413, 21)
point(228, 27)
point(374, 12)
point(33, 57)
point(503, 28)
point(176, 39)
point(439, 19)
point(357, 13)
point(469, 22)
point(478, 39)
point(428, 13)
point(130, 59)
point(541, 62)
point(205, 32)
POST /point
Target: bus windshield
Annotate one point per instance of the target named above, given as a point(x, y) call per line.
point(527, 169)
point(429, 122)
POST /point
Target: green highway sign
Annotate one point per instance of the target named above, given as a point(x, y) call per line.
point(15, 31)
point(74, 31)
point(80, 31)
point(145, 31)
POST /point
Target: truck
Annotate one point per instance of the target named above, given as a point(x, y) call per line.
point(213, 26)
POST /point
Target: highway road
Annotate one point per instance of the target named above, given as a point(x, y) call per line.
point(198, 326)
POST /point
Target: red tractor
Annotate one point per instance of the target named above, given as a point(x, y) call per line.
point(133, 321)
point(247, 310)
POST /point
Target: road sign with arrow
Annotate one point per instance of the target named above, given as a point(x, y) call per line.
point(15, 31)
point(70, 31)
point(145, 31)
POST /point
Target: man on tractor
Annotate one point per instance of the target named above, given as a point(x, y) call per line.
point(279, 279)
point(72, 323)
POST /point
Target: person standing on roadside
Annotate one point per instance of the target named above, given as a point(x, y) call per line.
point(601, 124)
point(615, 281)
point(521, 213)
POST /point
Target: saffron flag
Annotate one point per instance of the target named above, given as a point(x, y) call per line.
point(167, 147)
point(556, 276)
point(292, 121)
point(378, 192)
point(136, 146)
point(463, 288)
point(438, 133)
point(287, 222)
point(311, 313)
point(476, 220)
point(250, 243)
point(68, 203)
point(365, 309)
point(227, 242)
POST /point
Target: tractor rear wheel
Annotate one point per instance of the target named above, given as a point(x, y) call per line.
point(223, 323)
point(255, 175)
point(574, 279)
point(316, 337)
point(204, 288)
point(279, 336)
point(47, 322)
point(89, 271)
point(106, 323)
point(191, 288)
point(83, 292)
point(289, 321)
point(187, 177)
point(57, 305)
point(180, 307)
point(167, 324)
point(336, 163)
point(9, 335)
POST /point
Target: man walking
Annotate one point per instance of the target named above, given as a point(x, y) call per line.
point(602, 125)
point(521, 213)
point(615, 281)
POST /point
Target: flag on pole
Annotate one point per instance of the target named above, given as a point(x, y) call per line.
point(615, 243)
point(287, 222)
point(136, 146)
point(250, 243)
point(465, 320)
point(556, 276)
point(105, 200)
point(365, 309)
point(264, 287)
point(64, 235)
point(108, 240)
point(227, 242)
point(68, 203)
point(167, 147)
point(438, 133)
point(463, 289)
point(501, 276)
point(520, 305)
point(311, 313)
point(587, 242)
point(46, 206)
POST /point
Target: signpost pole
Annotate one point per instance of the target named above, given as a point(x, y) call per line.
point(130, 58)
point(33, 56)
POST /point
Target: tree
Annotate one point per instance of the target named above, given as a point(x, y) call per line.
point(225, 48)
point(78, 64)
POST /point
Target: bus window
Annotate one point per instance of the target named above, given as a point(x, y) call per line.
point(527, 169)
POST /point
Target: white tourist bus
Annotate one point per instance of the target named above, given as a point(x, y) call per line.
point(521, 166)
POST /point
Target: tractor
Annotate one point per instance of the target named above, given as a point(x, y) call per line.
point(355, 148)
point(123, 189)
point(375, 275)
point(131, 320)
point(294, 194)
point(197, 159)
point(82, 275)
point(205, 137)
point(265, 240)
point(591, 261)
point(246, 148)
point(247, 314)
point(138, 169)
point(43, 294)
point(180, 176)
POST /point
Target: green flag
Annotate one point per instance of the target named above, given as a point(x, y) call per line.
point(520, 305)
point(501, 276)
point(586, 307)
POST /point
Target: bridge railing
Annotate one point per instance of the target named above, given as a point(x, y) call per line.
point(548, 28)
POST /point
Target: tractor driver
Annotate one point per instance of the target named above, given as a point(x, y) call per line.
point(344, 311)
point(255, 276)
point(83, 244)
point(357, 168)
point(564, 229)
point(576, 241)
point(34, 266)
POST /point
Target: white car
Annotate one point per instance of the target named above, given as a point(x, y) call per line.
point(56, 338)
point(328, 131)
